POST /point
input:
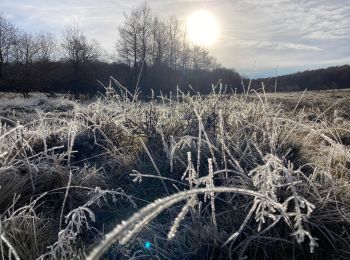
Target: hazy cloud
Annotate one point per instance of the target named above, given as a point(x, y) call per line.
point(274, 45)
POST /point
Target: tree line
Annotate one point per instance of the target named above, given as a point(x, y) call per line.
point(337, 77)
point(149, 39)
point(37, 62)
point(152, 53)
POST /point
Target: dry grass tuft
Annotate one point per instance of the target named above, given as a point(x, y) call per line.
point(215, 177)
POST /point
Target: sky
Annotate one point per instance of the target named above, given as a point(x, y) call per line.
point(257, 37)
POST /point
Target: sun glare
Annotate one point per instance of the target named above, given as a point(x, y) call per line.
point(203, 28)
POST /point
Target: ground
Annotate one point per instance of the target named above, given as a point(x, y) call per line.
point(264, 176)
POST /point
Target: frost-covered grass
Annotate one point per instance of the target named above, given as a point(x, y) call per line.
point(187, 177)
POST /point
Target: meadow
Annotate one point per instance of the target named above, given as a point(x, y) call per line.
point(222, 176)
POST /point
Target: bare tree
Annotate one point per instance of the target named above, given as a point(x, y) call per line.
point(30, 49)
point(127, 45)
point(7, 38)
point(24, 54)
point(78, 51)
point(201, 59)
point(134, 44)
point(145, 20)
point(185, 48)
point(159, 41)
point(47, 54)
point(47, 47)
point(174, 36)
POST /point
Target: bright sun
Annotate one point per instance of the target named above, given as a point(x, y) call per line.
point(203, 28)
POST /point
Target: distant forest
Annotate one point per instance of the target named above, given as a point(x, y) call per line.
point(151, 53)
point(321, 79)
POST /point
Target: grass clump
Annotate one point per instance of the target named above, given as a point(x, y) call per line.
point(213, 177)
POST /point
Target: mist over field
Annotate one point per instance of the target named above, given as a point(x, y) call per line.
point(146, 143)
